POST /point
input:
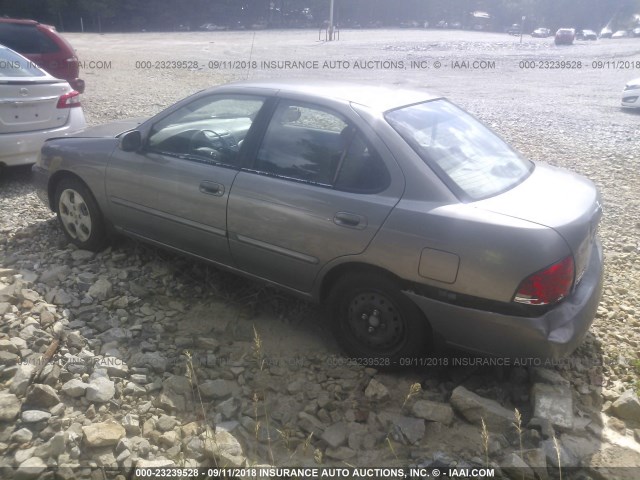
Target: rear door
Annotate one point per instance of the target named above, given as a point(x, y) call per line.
point(319, 188)
point(175, 191)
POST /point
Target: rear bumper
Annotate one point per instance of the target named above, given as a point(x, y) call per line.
point(631, 99)
point(23, 148)
point(553, 335)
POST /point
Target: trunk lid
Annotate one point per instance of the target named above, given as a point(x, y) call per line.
point(31, 105)
point(556, 198)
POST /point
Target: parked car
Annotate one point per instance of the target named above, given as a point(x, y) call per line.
point(631, 94)
point(541, 33)
point(44, 46)
point(586, 35)
point(514, 29)
point(404, 215)
point(636, 32)
point(606, 33)
point(33, 107)
point(565, 36)
point(621, 34)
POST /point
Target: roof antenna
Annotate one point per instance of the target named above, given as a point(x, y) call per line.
point(253, 40)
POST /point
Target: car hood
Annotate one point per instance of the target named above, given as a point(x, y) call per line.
point(556, 198)
point(112, 129)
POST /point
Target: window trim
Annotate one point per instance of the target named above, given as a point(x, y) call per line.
point(203, 160)
point(270, 116)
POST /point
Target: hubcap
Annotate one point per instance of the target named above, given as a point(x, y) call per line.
point(74, 214)
point(375, 321)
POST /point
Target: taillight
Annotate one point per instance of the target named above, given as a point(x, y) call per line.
point(547, 286)
point(69, 100)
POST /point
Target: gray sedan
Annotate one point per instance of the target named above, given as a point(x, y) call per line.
point(402, 214)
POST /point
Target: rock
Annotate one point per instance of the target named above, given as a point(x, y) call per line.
point(115, 367)
point(131, 424)
point(9, 407)
point(336, 435)
point(567, 459)
point(627, 407)
point(412, 429)
point(30, 468)
point(516, 467)
point(82, 255)
point(580, 447)
point(21, 379)
point(340, 453)
point(160, 462)
point(223, 447)
point(553, 403)
point(433, 411)
point(376, 390)
point(53, 275)
point(215, 389)
point(166, 423)
point(101, 290)
point(310, 424)
point(41, 396)
point(153, 360)
point(74, 388)
point(8, 358)
point(537, 461)
point(100, 390)
point(474, 408)
point(24, 435)
point(35, 416)
point(8, 346)
point(613, 461)
point(103, 434)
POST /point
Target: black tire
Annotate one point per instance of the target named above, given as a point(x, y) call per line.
point(79, 215)
point(375, 323)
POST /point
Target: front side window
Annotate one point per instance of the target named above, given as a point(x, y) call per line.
point(469, 157)
point(209, 129)
point(312, 144)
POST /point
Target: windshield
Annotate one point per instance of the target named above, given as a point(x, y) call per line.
point(473, 161)
point(14, 65)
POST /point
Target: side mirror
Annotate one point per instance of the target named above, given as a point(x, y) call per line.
point(131, 141)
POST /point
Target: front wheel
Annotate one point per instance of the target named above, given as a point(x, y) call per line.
point(79, 215)
point(374, 322)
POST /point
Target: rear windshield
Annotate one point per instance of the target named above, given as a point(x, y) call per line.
point(13, 65)
point(26, 39)
point(472, 160)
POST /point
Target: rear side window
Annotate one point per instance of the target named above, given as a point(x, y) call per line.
point(13, 65)
point(26, 39)
point(309, 143)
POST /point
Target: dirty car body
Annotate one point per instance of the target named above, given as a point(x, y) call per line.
point(404, 215)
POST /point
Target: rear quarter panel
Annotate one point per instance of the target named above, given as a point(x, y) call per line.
point(495, 252)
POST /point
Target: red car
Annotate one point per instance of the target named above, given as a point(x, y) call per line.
point(44, 46)
point(565, 36)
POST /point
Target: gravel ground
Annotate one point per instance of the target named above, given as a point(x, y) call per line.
point(569, 117)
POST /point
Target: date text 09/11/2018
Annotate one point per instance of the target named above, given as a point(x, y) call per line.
point(313, 472)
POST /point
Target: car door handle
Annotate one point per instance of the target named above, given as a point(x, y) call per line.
point(350, 220)
point(212, 188)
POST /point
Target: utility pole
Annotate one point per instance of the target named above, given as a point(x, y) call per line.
point(331, 20)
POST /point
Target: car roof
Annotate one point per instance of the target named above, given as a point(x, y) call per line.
point(377, 97)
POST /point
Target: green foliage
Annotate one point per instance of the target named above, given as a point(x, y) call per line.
point(123, 15)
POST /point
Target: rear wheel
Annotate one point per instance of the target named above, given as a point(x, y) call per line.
point(79, 215)
point(375, 323)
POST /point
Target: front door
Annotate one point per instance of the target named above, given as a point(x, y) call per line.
point(175, 191)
